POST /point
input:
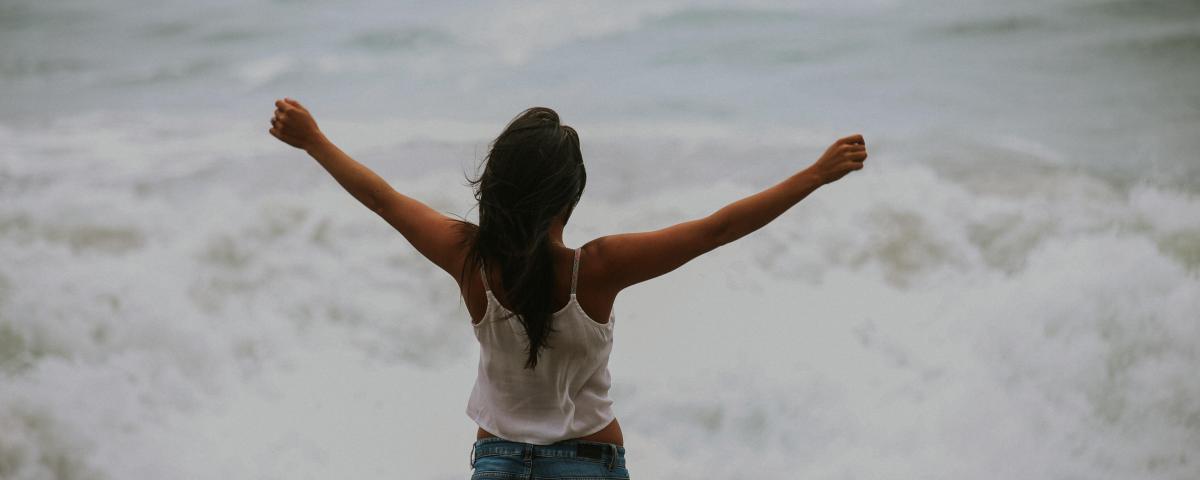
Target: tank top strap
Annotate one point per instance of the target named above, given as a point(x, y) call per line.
point(483, 276)
point(575, 271)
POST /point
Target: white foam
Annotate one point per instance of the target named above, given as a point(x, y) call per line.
point(901, 323)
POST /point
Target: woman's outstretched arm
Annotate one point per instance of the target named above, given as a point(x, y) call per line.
point(429, 231)
point(752, 213)
point(631, 258)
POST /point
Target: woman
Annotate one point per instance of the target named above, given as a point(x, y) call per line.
point(542, 312)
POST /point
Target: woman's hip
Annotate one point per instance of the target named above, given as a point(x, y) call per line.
point(496, 458)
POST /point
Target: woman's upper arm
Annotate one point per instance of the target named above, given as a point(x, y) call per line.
point(632, 258)
point(434, 234)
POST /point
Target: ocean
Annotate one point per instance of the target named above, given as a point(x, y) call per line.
point(1010, 289)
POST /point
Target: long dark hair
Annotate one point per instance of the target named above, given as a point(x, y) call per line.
point(532, 174)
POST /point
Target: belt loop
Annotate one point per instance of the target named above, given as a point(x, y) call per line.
point(612, 457)
point(471, 456)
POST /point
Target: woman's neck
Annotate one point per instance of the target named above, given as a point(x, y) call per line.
point(556, 232)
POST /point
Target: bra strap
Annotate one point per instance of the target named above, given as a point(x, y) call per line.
point(483, 275)
point(575, 271)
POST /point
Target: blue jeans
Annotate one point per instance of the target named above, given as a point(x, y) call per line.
point(497, 458)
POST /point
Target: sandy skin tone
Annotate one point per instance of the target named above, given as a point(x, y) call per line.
point(612, 263)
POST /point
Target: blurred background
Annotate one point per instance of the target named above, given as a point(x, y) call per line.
point(1010, 289)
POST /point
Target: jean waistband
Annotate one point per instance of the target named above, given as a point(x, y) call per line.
point(606, 452)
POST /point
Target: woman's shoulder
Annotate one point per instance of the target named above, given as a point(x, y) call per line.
point(594, 276)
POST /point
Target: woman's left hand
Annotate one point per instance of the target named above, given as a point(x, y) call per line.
point(293, 125)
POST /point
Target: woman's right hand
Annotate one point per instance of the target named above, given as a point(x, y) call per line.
point(844, 156)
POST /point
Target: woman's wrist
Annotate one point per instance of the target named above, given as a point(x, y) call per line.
point(813, 176)
point(317, 144)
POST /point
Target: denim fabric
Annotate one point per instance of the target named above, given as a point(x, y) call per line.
point(496, 458)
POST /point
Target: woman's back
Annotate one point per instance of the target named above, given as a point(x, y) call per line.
point(566, 396)
point(596, 303)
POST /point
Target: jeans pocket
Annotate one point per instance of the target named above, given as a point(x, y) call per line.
point(577, 469)
point(505, 467)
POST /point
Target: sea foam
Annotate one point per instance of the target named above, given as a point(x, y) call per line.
point(205, 313)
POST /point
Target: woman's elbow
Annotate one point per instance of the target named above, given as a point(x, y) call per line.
point(720, 230)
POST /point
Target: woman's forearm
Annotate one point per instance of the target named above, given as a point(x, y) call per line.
point(356, 178)
point(294, 125)
point(740, 218)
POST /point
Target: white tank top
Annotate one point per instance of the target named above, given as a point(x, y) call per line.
point(565, 397)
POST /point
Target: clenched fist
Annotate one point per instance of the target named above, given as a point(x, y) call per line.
point(294, 125)
point(844, 156)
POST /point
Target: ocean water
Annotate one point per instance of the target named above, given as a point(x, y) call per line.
point(1011, 289)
